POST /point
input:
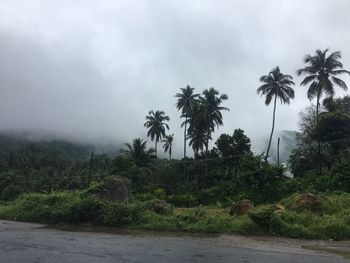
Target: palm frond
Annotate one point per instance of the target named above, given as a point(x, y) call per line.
point(339, 83)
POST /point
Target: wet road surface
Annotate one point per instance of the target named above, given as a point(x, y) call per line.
point(33, 243)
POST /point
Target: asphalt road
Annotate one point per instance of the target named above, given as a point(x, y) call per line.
point(29, 243)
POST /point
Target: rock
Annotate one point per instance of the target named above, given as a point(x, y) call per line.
point(242, 207)
point(117, 188)
point(114, 188)
point(161, 207)
point(307, 201)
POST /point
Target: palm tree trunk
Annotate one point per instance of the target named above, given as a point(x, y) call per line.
point(273, 127)
point(170, 152)
point(155, 146)
point(185, 138)
point(206, 155)
point(318, 134)
point(185, 144)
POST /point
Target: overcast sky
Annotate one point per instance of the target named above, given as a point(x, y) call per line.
point(93, 69)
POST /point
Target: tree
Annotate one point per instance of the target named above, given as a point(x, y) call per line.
point(241, 142)
point(155, 122)
point(212, 110)
point(321, 71)
point(197, 130)
point(138, 152)
point(232, 148)
point(334, 124)
point(276, 86)
point(168, 144)
point(185, 102)
point(308, 123)
point(140, 169)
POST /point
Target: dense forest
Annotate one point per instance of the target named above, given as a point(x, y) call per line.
point(200, 191)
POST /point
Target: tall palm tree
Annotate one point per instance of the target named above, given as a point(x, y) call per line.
point(155, 122)
point(276, 86)
point(321, 71)
point(185, 101)
point(212, 110)
point(168, 144)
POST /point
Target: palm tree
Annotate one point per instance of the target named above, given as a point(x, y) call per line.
point(197, 139)
point(138, 152)
point(276, 86)
point(185, 102)
point(168, 143)
point(212, 110)
point(155, 121)
point(197, 130)
point(142, 170)
point(321, 71)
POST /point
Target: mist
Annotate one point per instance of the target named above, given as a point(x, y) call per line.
point(90, 71)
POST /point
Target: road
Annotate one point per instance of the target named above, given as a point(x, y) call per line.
point(34, 243)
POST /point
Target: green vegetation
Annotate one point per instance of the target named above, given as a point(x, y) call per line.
point(330, 221)
point(225, 189)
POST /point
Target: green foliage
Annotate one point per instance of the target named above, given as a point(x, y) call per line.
point(122, 214)
point(74, 207)
point(11, 192)
point(266, 218)
point(88, 209)
point(121, 164)
point(183, 200)
point(45, 208)
point(336, 204)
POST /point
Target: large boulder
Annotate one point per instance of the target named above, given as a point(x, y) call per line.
point(307, 201)
point(114, 188)
point(242, 207)
point(117, 188)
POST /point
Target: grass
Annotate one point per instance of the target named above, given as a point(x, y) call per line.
point(332, 222)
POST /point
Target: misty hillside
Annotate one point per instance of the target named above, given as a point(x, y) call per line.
point(63, 148)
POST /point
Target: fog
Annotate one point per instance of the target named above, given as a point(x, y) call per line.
point(91, 70)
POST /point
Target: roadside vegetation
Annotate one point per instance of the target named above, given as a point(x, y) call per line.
point(223, 189)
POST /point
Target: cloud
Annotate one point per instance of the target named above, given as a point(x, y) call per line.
point(92, 70)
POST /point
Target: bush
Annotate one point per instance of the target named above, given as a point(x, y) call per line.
point(44, 208)
point(122, 214)
point(11, 192)
point(336, 203)
point(266, 218)
point(88, 209)
point(185, 200)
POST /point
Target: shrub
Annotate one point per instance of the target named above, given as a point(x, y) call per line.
point(185, 200)
point(11, 192)
point(45, 208)
point(336, 203)
point(122, 214)
point(88, 209)
point(266, 218)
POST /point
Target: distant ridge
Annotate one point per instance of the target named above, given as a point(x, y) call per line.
point(15, 141)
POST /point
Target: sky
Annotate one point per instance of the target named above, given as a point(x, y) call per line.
point(91, 70)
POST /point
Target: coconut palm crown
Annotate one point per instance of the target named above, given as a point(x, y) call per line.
point(156, 124)
point(168, 143)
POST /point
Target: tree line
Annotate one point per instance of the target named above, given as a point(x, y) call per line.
point(202, 113)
